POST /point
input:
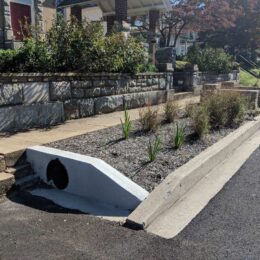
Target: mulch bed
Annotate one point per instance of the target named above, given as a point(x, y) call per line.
point(130, 157)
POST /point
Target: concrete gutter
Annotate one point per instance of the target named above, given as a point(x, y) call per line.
point(178, 183)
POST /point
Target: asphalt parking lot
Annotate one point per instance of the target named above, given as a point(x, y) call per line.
point(228, 228)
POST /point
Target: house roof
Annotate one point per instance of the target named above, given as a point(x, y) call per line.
point(135, 7)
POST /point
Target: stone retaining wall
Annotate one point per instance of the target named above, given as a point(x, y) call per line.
point(193, 80)
point(41, 100)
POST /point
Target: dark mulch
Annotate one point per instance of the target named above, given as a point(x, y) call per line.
point(131, 157)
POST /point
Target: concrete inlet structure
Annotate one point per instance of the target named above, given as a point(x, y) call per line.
point(84, 183)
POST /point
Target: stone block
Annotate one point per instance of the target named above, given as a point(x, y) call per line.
point(113, 83)
point(36, 92)
point(211, 87)
point(162, 83)
point(86, 107)
point(50, 114)
point(11, 94)
point(93, 92)
point(78, 93)
point(60, 90)
point(108, 91)
point(142, 99)
point(7, 119)
point(26, 117)
point(108, 104)
point(134, 100)
point(81, 84)
point(134, 90)
point(122, 90)
point(131, 83)
point(71, 109)
point(156, 97)
point(229, 84)
point(2, 163)
point(99, 83)
point(170, 95)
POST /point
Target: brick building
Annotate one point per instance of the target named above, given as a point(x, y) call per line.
point(15, 13)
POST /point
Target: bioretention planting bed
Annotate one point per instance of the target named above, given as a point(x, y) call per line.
point(130, 157)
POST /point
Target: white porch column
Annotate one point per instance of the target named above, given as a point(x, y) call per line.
point(7, 31)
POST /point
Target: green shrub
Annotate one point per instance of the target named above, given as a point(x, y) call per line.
point(170, 111)
point(225, 109)
point(8, 60)
point(115, 53)
point(179, 138)
point(200, 120)
point(217, 107)
point(236, 109)
point(181, 65)
point(126, 125)
point(149, 119)
point(73, 46)
point(189, 108)
point(154, 149)
point(210, 59)
point(34, 56)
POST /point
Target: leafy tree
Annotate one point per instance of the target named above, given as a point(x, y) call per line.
point(193, 15)
point(244, 35)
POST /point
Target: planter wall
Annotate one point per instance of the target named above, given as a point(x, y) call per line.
point(40, 100)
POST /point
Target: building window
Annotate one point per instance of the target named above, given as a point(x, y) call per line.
point(20, 15)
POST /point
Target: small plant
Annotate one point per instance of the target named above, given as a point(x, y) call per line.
point(154, 148)
point(149, 119)
point(179, 136)
point(189, 110)
point(170, 111)
point(236, 109)
point(126, 125)
point(200, 120)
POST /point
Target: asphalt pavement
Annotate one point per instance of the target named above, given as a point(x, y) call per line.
point(228, 228)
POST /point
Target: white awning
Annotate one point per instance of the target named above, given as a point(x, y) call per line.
point(135, 7)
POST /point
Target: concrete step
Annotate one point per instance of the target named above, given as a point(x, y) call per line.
point(6, 182)
point(15, 158)
point(2, 163)
point(20, 171)
point(26, 182)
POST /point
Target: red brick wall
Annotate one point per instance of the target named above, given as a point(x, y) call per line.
point(19, 15)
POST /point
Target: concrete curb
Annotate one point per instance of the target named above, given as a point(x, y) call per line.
point(184, 178)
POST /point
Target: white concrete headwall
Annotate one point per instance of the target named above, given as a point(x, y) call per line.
point(89, 177)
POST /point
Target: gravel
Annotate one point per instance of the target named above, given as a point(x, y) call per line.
point(130, 157)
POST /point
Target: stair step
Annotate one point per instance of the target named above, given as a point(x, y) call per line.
point(20, 171)
point(2, 163)
point(6, 182)
point(27, 182)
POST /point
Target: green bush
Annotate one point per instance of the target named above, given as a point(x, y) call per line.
point(225, 109)
point(8, 60)
point(210, 59)
point(200, 120)
point(72, 46)
point(170, 111)
point(149, 119)
point(34, 56)
point(115, 53)
point(236, 109)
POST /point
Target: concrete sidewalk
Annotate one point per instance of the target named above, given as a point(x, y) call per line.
point(21, 141)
